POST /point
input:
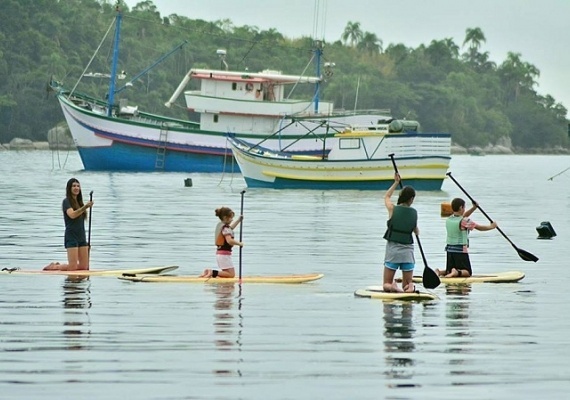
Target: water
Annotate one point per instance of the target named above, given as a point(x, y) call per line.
point(101, 338)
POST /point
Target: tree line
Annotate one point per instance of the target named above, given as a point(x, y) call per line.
point(447, 87)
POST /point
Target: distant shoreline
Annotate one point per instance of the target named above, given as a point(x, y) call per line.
point(18, 144)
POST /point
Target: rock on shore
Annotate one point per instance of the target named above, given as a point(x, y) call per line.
point(59, 138)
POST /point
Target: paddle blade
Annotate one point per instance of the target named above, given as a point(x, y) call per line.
point(525, 255)
point(430, 280)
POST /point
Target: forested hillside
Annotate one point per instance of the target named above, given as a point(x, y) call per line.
point(447, 86)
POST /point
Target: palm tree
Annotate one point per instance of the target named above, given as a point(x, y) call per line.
point(439, 51)
point(398, 52)
point(352, 33)
point(474, 37)
point(483, 64)
point(518, 74)
point(453, 48)
point(370, 43)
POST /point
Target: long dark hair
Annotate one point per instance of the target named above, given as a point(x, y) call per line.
point(406, 194)
point(77, 202)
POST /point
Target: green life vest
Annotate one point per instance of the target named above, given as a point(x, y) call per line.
point(401, 225)
point(456, 235)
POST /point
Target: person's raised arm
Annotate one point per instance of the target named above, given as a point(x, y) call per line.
point(236, 222)
point(388, 196)
point(471, 210)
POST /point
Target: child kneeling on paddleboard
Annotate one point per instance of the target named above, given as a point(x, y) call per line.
point(224, 240)
point(458, 226)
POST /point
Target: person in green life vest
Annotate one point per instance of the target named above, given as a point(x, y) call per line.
point(458, 225)
point(402, 222)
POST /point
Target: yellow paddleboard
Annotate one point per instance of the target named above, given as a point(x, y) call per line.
point(501, 277)
point(376, 292)
point(245, 279)
point(91, 272)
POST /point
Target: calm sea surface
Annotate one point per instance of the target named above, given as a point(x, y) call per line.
point(102, 338)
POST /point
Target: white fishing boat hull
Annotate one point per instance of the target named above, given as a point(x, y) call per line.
point(424, 170)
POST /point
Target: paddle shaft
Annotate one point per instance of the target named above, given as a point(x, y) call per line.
point(241, 233)
point(421, 250)
point(480, 209)
point(90, 212)
point(391, 155)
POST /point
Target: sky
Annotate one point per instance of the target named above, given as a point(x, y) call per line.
point(537, 29)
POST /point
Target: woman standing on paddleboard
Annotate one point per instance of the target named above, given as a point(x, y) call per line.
point(224, 240)
point(75, 241)
point(402, 222)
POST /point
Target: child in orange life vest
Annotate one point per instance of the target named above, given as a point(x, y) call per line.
point(458, 226)
point(224, 240)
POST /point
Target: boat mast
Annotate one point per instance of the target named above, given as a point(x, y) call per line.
point(114, 62)
point(318, 54)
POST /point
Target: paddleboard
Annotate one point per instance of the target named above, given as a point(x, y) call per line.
point(91, 272)
point(245, 279)
point(376, 292)
point(500, 277)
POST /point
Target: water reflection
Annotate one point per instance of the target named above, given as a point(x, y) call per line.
point(399, 344)
point(227, 328)
point(457, 309)
point(76, 302)
point(458, 329)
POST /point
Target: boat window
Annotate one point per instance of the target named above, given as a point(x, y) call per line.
point(349, 143)
point(234, 86)
point(216, 118)
point(249, 87)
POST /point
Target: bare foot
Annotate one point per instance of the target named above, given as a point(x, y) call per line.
point(453, 274)
point(52, 266)
point(439, 272)
point(411, 288)
point(391, 288)
point(206, 274)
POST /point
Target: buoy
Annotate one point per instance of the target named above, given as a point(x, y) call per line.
point(446, 210)
point(545, 230)
point(188, 182)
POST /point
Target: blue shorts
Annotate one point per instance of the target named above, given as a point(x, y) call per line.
point(71, 243)
point(396, 266)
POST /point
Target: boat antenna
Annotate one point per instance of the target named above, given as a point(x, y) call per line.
point(319, 17)
point(111, 95)
point(356, 98)
point(318, 56)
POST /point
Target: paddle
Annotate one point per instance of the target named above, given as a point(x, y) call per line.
point(430, 280)
point(241, 233)
point(90, 212)
point(525, 255)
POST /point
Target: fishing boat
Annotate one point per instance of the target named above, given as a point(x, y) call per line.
point(360, 158)
point(115, 135)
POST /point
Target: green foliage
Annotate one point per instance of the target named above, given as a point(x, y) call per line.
point(477, 101)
